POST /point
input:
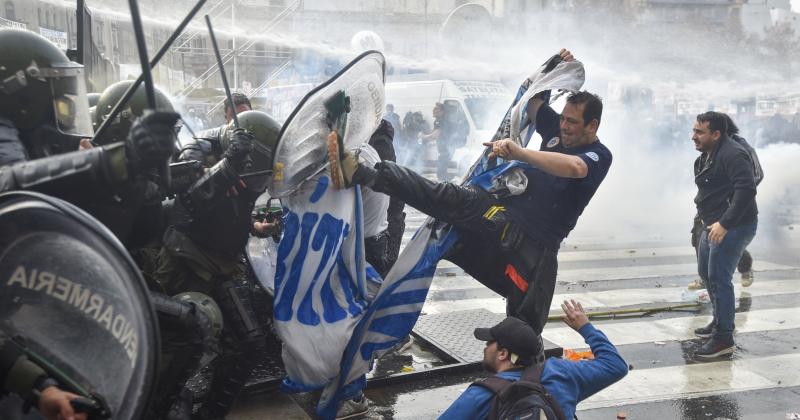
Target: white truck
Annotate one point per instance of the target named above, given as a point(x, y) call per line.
point(481, 104)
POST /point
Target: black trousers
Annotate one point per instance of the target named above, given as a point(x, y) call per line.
point(525, 275)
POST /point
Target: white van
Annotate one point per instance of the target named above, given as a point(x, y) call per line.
point(481, 104)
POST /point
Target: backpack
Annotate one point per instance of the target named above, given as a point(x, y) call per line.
point(522, 399)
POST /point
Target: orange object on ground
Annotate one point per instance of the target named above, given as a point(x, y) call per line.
point(578, 355)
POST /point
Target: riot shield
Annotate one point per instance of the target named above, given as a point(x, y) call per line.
point(73, 300)
point(301, 151)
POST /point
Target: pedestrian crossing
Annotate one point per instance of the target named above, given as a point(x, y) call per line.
point(645, 276)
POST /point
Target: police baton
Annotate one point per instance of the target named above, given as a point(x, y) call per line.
point(227, 87)
point(159, 55)
point(221, 68)
point(147, 76)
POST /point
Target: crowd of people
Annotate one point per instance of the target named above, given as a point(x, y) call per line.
point(416, 137)
point(187, 228)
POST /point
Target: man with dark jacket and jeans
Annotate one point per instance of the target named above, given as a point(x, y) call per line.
point(745, 265)
point(509, 349)
point(726, 190)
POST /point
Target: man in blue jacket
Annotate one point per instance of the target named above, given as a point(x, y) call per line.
point(726, 205)
point(510, 346)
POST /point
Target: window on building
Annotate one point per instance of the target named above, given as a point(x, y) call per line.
point(39, 13)
point(10, 12)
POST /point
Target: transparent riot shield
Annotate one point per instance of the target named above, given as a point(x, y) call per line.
point(72, 299)
point(301, 151)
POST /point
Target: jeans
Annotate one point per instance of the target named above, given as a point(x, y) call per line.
point(716, 264)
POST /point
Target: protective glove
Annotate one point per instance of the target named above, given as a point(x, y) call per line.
point(238, 153)
point(151, 140)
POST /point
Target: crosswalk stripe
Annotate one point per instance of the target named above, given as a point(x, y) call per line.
point(629, 253)
point(674, 382)
point(577, 275)
point(607, 299)
point(583, 275)
point(675, 329)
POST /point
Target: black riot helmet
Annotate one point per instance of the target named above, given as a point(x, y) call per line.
point(40, 87)
point(265, 130)
point(119, 128)
point(93, 98)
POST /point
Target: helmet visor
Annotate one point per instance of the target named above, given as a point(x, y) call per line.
point(70, 103)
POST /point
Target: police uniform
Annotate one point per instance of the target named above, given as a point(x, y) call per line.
point(203, 252)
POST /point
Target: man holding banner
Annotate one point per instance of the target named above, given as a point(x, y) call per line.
point(524, 207)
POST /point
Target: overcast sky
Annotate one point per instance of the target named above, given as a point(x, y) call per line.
point(796, 5)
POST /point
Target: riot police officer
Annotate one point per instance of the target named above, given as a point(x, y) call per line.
point(190, 323)
point(207, 145)
point(44, 114)
point(203, 249)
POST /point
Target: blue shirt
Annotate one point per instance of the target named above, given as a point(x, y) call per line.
point(550, 206)
point(567, 381)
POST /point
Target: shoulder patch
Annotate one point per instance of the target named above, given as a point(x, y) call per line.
point(593, 156)
point(553, 142)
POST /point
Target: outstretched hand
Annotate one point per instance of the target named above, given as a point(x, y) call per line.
point(574, 315)
point(506, 149)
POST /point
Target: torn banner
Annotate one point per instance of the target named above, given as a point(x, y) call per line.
point(331, 331)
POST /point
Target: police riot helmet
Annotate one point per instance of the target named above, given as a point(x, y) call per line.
point(93, 98)
point(265, 129)
point(119, 128)
point(207, 306)
point(40, 86)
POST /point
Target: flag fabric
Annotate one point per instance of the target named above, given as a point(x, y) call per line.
point(330, 328)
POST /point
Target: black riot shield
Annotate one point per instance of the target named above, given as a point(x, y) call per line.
point(302, 152)
point(73, 300)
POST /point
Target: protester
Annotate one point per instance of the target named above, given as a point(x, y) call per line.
point(510, 349)
point(519, 235)
point(725, 200)
point(745, 265)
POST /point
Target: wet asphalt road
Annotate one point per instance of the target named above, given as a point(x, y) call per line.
point(760, 381)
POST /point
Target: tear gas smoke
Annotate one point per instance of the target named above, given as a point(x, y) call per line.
point(649, 190)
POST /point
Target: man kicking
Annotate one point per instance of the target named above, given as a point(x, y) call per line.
point(517, 236)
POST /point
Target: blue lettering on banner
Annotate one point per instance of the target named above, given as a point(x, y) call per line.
point(328, 235)
point(322, 234)
point(319, 191)
point(283, 307)
point(291, 226)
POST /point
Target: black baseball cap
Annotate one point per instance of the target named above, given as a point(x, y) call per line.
point(513, 334)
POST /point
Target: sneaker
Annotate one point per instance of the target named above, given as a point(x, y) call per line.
point(716, 347)
point(696, 284)
point(747, 278)
point(706, 331)
point(343, 164)
point(353, 408)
